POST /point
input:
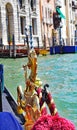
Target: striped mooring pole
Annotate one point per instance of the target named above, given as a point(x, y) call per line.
point(31, 40)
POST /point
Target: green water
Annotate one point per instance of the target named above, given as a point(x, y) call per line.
point(59, 71)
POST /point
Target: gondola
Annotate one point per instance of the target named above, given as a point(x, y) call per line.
point(8, 105)
point(30, 109)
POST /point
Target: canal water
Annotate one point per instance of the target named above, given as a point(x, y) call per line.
point(59, 71)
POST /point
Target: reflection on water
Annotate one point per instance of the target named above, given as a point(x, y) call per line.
point(59, 71)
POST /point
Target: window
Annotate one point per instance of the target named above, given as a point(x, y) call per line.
point(34, 25)
point(22, 22)
point(48, 0)
point(45, 12)
point(22, 3)
point(33, 5)
point(48, 13)
point(65, 2)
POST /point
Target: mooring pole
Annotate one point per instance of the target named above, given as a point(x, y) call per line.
point(10, 53)
point(14, 47)
point(1, 85)
point(26, 39)
point(31, 40)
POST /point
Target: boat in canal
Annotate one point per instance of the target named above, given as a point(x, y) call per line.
point(8, 105)
point(30, 109)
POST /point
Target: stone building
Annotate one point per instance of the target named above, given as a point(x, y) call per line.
point(50, 35)
point(15, 16)
point(71, 9)
point(47, 7)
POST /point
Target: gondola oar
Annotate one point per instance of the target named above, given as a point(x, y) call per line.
point(1, 85)
point(0, 97)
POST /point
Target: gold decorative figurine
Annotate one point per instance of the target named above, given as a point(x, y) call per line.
point(28, 101)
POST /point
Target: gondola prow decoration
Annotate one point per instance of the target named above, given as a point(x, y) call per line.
point(29, 101)
point(32, 101)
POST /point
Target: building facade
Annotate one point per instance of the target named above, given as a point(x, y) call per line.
point(34, 18)
point(69, 8)
point(8, 21)
point(15, 16)
point(71, 21)
point(47, 7)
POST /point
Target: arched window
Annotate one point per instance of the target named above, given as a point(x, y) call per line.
point(33, 5)
point(22, 3)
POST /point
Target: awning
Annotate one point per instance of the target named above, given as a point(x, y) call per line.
point(60, 13)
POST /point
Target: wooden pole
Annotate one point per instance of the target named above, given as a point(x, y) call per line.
point(10, 54)
point(0, 97)
point(14, 47)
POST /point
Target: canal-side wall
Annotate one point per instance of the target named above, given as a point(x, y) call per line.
point(63, 49)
